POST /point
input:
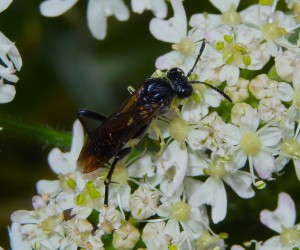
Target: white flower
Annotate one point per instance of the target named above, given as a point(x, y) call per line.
point(182, 217)
point(203, 23)
point(234, 48)
point(154, 236)
point(42, 226)
point(287, 66)
point(238, 92)
point(282, 221)
point(263, 87)
point(212, 191)
point(143, 202)
point(158, 7)
point(275, 26)
point(272, 110)
point(174, 31)
point(74, 190)
point(125, 237)
point(249, 143)
point(109, 219)
point(97, 12)
point(208, 133)
point(77, 234)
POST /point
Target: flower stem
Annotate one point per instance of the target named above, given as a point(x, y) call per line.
point(16, 127)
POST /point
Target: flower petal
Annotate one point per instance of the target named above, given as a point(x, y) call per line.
point(4, 4)
point(23, 217)
point(285, 92)
point(211, 192)
point(240, 182)
point(53, 8)
point(230, 74)
point(97, 20)
point(119, 9)
point(168, 60)
point(7, 93)
point(172, 30)
point(270, 136)
point(45, 187)
point(141, 167)
point(77, 141)
point(264, 164)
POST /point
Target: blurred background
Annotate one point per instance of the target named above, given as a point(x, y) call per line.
point(65, 68)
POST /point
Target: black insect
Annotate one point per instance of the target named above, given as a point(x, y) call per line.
point(132, 119)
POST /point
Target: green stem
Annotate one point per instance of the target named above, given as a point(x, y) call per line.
point(16, 127)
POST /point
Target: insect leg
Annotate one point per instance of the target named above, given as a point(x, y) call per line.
point(89, 114)
point(122, 153)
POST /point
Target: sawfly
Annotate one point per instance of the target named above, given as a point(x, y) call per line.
point(153, 98)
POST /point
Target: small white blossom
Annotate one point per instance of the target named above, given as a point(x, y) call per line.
point(263, 87)
point(271, 109)
point(249, 142)
point(125, 237)
point(212, 191)
point(41, 226)
point(274, 25)
point(208, 133)
point(238, 92)
point(282, 221)
point(174, 31)
point(143, 202)
point(109, 219)
point(234, 48)
point(155, 237)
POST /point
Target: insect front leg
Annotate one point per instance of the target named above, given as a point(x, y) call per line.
point(121, 154)
point(89, 114)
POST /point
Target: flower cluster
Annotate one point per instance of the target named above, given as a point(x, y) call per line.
point(158, 201)
point(10, 62)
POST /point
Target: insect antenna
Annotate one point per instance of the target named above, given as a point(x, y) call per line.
point(206, 84)
point(214, 88)
point(197, 59)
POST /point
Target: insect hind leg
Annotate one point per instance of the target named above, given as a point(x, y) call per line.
point(121, 154)
point(89, 114)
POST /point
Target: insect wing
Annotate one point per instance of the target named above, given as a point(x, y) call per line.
point(111, 136)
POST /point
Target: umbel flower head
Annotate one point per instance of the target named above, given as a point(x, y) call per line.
point(205, 145)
